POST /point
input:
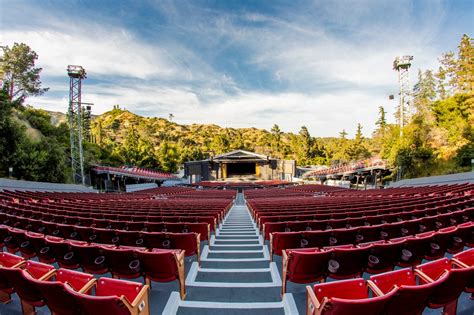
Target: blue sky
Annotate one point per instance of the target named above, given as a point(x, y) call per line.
point(323, 64)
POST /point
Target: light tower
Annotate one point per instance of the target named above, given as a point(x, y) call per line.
point(76, 122)
point(402, 65)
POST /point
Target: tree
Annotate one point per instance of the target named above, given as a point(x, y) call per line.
point(18, 72)
point(359, 136)
point(343, 134)
point(381, 121)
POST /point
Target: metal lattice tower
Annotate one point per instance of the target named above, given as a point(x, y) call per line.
point(402, 65)
point(76, 75)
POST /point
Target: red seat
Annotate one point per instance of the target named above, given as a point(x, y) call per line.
point(57, 293)
point(382, 256)
point(304, 266)
point(62, 253)
point(345, 297)
point(347, 262)
point(20, 280)
point(411, 299)
point(115, 297)
point(162, 265)
point(466, 260)
point(9, 261)
point(91, 257)
point(412, 250)
point(446, 294)
point(132, 238)
point(123, 263)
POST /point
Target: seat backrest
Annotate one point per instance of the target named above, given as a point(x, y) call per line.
point(159, 265)
point(110, 305)
point(77, 280)
point(466, 257)
point(387, 281)
point(21, 282)
point(307, 266)
point(38, 269)
point(350, 297)
point(58, 297)
point(10, 260)
point(435, 268)
point(116, 287)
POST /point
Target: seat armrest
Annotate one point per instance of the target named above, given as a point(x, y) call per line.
point(312, 303)
point(374, 288)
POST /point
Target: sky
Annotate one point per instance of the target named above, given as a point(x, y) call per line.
point(326, 65)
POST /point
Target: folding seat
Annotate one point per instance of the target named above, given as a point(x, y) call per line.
point(189, 242)
point(57, 293)
point(413, 249)
point(100, 223)
point(9, 261)
point(82, 221)
point(62, 252)
point(455, 282)
point(21, 242)
point(304, 266)
point(156, 227)
point(315, 225)
point(114, 296)
point(51, 228)
point(69, 231)
point(91, 257)
point(465, 232)
point(465, 258)
point(106, 236)
point(123, 262)
point(162, 265)
point(4, 233)
point(382, 256)
point(345, 297)
point(347, 262)
point(117, 225)
point(20, 280)
point(135, 226)
point(131, 238)
point(373, 220)
point(335, 224)
point(43, 251)
point(86, 233)
point(368, 234)
point(410, 299)
point(355, 222)
point(343, 237)
point(391, 230)
point(448, 240)
point(280, 241)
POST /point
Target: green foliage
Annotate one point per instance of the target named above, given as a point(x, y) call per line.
point(18, 72)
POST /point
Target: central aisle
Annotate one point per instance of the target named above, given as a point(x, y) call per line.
point(236, 275)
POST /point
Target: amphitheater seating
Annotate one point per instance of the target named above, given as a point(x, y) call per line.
point(342, 262)
point(322, 233)
point(405, 291)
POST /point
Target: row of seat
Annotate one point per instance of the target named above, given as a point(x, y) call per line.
point(306, 265)
point(444, 215)
point(354, 209)
point(355, 235)
point(68, 292)
point(32, 244)
point(128, 222)
point(108, 229)
point(405, 291)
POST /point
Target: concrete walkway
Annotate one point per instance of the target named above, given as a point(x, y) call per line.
point(236, 275)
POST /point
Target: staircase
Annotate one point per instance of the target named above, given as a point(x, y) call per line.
point(236, 275)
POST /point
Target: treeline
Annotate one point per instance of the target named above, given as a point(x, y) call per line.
point(437, 139)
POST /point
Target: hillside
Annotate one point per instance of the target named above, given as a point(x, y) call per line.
point(122, 131)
